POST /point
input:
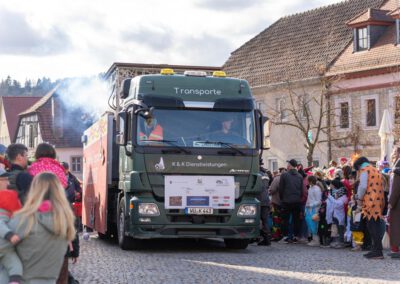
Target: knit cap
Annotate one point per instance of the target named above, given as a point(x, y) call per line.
point(9, 200)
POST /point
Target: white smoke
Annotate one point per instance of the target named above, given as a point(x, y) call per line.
point(90, 95)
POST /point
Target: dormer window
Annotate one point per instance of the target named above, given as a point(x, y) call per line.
point(362, 39)
point(368, 27)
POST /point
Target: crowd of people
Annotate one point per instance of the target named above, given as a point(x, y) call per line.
point(38, 227)
point(353, 204)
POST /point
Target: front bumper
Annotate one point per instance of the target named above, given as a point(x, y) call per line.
point(224, 223)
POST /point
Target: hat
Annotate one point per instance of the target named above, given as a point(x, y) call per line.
point(357, 164)
point(343, 159)
point(9, 200)
point(292, 162)
point(337, 183)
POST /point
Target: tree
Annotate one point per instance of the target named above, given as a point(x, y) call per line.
point(309, 112)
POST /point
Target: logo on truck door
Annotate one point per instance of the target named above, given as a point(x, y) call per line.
point(160, 166)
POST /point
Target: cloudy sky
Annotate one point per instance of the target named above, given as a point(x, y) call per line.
point(60, 39)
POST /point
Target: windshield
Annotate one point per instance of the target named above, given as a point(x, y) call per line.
point(197, 128)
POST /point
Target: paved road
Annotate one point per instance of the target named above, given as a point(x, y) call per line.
point(207, 261)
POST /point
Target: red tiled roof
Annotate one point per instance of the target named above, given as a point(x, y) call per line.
point(12, 107)
point(292, 47)
point(384, 53)
point(371, 15)
point(40, 103)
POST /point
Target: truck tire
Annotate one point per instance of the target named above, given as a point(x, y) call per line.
point(236, 243)
point(124, 241)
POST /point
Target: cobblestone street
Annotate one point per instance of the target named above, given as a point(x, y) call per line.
point(207, 261)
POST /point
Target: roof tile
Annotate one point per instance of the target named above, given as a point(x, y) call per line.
point(292, 47)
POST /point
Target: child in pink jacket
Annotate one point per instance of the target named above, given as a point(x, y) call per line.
point(46, 162)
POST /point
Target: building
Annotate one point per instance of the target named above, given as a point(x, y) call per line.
point(370, 81)
point(10, 107)
point(51, 120)
point(286, 66)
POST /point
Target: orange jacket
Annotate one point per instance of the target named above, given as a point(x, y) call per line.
point(156, 134)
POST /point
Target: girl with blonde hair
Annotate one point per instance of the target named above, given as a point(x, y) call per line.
point(45, 225)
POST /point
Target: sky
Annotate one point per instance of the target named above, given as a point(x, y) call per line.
point(58, 39)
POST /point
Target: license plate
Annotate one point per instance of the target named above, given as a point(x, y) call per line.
point(199, 211)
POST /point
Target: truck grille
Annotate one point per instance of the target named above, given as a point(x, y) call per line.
point(178, 216)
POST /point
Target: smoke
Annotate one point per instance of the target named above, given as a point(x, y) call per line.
point(87, 95)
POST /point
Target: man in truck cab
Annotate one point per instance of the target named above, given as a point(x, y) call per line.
point(151, 130)
point(225, 132)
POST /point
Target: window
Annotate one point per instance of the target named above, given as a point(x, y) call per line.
point(343, 109)
point(397, 31)
point(362, 39)
point(371, 112)
point(304, 109)
point(397, 110)
point(344, 115)
point(76, 164)
point(281, 109)
point(315, 163)
point(273, 165)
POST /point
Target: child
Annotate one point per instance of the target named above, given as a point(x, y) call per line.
point(312, 207)
point(9, 203)
point(356, 225)
point(335, 211)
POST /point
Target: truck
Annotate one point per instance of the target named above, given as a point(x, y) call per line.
point(197, 177)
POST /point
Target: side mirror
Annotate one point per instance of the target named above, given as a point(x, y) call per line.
point(120, 138)
point(266, 138)
point(264, 131)
point(126, 86)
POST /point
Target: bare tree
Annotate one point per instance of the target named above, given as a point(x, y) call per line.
point(309, 112)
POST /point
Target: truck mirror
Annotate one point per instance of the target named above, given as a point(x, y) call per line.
point(121, 134)
point(266, 136)
point(264, 131)
point(126, 85)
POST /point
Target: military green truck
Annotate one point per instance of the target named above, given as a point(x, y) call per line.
point(178, 159)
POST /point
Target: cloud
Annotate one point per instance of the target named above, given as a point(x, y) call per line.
point(17, 37)
point(205, 49)
point(155, 39)
point(227, 5)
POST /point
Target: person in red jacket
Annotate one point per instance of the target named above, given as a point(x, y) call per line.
point(46, 162)
point(151, 130)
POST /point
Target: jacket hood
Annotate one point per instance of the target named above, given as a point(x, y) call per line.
point(46, 220)
point(293, 172)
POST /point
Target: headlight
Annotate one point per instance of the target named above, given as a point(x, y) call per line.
point(148, 209)
point(247, 210)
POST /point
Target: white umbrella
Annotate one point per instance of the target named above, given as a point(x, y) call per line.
point(386, 134)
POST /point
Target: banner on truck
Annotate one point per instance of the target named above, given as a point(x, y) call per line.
point(216, 192)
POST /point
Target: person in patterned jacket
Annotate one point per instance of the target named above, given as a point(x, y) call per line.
point(45, 156)
point(370, 194)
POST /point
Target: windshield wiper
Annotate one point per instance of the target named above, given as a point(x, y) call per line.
point(170, 142)
point(229, 145)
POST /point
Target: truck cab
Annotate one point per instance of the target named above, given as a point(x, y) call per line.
point(188, 160)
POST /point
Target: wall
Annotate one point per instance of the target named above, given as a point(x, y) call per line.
point(65, 154)
point(356, 91)
point(287, 142)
